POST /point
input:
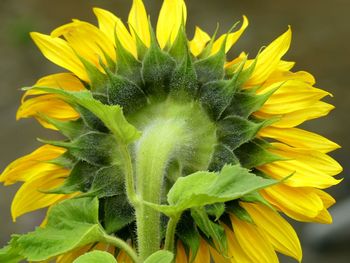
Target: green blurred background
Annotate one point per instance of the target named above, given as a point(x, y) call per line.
point(321, 35)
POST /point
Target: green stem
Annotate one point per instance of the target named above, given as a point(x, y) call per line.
point(117, 242)
point(170, 233)
point(153, 152)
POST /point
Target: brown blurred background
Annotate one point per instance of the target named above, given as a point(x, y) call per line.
point(321, 35)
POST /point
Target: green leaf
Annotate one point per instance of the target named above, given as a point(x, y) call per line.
point(204, 188)
point(216, 210)
point(161, 256)
point(70, 129)
point(71, 224)
point(95, 148)
point(210, 229)
point(111, 116)
point(9, 253)
point(256, 197)
point(96, 257)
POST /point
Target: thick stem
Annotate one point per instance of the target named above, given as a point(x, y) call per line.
point(119, 243)
point(170, 234)
point(153, 153)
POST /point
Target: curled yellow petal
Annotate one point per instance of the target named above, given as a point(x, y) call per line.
point(59, 52)
point(88, 41)
point(253, 242)
point(111, 25)
point(299, 138)
point(279, 232)
point(299, 203)
point(29, 196)
point(200, 39)
point(172, 14)
point(269, 59)
point(230, 38)
point(138, 22)
point(29, 166)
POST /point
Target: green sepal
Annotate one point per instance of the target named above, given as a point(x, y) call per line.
point(184, 79)
point(141, 48)
point(207, 50)
point(179, 48)
point(235, 131)
point(71, 224)
point(215, 210)
point(256, 197)
point(162, 256)
point(112, 116)
point(108, 181)
point(117, 212)
point(127, 65)
point(97, 78)
point(65, 160)
point(234, 208)
point(222, 155)
point(244, 103)
point(121, 91)
point(95, 257)
point(187, 232)
point(70, 129)
point(157, 69)
point(255, 153)
point(9, 253)
point(93, 147)
point(212, 230)
point(211, 68)
point(79, 179)
point(91, 121)
point(216, 96)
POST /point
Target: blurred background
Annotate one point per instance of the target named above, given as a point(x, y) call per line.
point(321, 35)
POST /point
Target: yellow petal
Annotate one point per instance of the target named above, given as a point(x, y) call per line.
point(66, 81)
point(300, 203)
point(231, 38)
point(88, 41)
point(303, 174)
point(235, 250)
point(124, 258)
point(292, 119)
point(299, 138)
point(285, 65)
point(29, 198)
point(59, 52)
point(72, 255)
point(283, 75)
point(279, 232)
point(48, 105)
point(181, 256)
point(253, 242)
point(203, 255)
point(28, 166)
point(111, 25)
point(138, 22)
point(270, 58)
point(199, 41)
point(308, 159)
point(326, 198)
point(171, 16)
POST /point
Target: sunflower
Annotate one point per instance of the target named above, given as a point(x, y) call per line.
point(168, 144)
